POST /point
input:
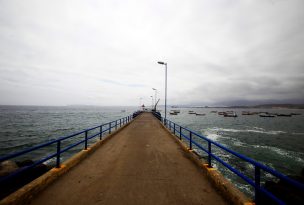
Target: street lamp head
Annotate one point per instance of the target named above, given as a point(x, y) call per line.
point(160, 62)
point(154, 89)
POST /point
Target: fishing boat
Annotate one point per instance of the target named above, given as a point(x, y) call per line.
point(200, 114)
point(295, 113)
point(266, 115)
point(191, 112)
point(284, 115)
point(172, 113)
point(233, 114)
point(176, 111)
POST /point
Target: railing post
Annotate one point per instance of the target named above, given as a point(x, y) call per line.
point(170, 125)
point(209, 154)
point(58, 154)
point(120, 122)
point(174, 128)
point(257, 178)
point(190, 146)
point(86, 140)
point(100, 134)
point(115, 124)
point(180, 132)
point(109, 127)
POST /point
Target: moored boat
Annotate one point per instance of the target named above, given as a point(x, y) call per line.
point(233, 114)
point(172, 113)
point(176, 111)
point(266, 115)
point(284, 115)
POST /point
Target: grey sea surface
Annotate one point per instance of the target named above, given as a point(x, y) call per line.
point(22, 127)
point(276, 142)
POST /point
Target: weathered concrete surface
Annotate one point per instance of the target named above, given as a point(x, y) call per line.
point(142, 164)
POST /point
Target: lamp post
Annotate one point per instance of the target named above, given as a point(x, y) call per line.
point(152, 101)
point(163, 63)
point(155, 96)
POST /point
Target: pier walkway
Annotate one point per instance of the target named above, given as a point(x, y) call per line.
point(142, 164)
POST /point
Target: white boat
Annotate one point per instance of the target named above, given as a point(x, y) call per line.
point(230, 114)
point(176, 111)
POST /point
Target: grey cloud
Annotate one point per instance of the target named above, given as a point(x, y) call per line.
point(216, 51)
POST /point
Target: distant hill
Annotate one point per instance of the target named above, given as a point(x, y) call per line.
point(262, 106)
point(292, 106)
point(269, 106)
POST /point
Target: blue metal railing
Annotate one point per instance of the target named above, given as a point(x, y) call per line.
point(181, 132)
point(102, 129)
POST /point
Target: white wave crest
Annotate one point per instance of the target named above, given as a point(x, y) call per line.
point(211, 134)
point(298, 133)
point(282, 152)
point(255, 130)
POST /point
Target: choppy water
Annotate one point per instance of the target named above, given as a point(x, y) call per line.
point(276, 142)
point(22, 127)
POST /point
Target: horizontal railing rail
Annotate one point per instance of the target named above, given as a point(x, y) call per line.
point(102, 129)
point(180, 132)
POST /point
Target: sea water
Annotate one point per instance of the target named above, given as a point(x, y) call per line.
point(22, 127)
point(276, 142)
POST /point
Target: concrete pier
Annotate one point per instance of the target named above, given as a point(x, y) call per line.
point(142, 164)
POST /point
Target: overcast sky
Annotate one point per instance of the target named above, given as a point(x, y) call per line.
point(97, 52)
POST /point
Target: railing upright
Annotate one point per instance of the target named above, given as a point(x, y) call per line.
point(100, 134)
point(190, 142)
point(257, 178)
point(209, 154)
point(180, 132)
point(58, 154)
point(86, 140)
point(174, 128)
point(110, 127)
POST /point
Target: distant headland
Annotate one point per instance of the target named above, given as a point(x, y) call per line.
point(262, 106)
